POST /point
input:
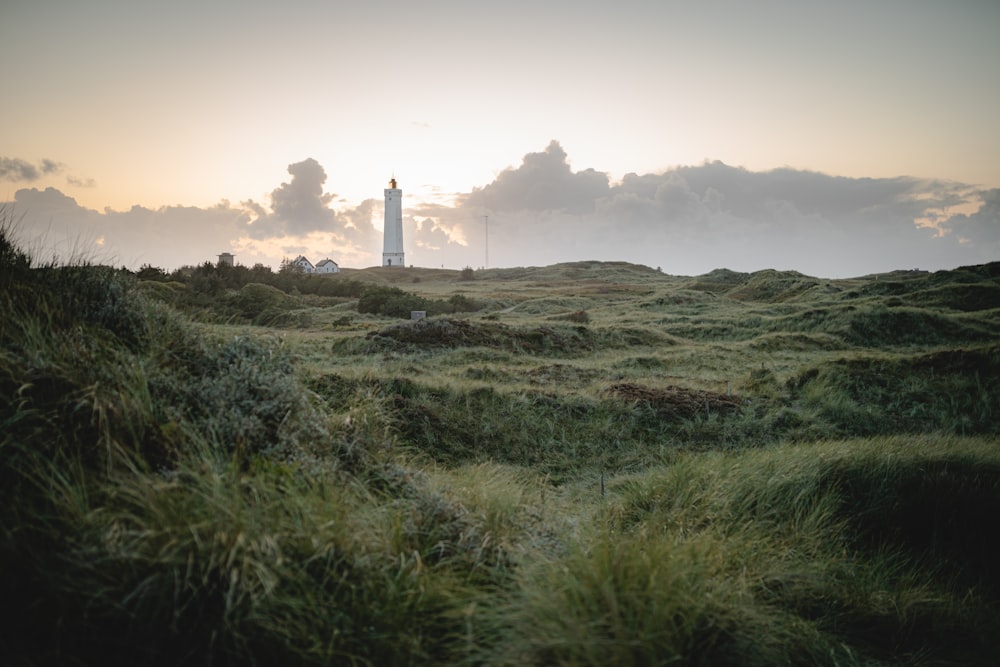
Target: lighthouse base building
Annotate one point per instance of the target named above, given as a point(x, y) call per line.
point(392, 234)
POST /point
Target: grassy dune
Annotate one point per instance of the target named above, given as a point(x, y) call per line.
point(594, 464)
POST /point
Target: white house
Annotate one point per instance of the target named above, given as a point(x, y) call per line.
point(327, 266)
point(303, 264)
point(323, 266)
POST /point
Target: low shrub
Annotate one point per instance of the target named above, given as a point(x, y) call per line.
point(242, 393)
point(389, 301)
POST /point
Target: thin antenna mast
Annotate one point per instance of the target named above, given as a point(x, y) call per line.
point(486, 221)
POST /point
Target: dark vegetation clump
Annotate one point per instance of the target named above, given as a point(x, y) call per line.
point(450, 333)
point(577, 316)
point(394, 302)
point(885, 326)
point(675, 402)
point(390, 301)
point(256, 295)
point(773, 286)
point(554, 340)
point(956, 391)
point(950, 516)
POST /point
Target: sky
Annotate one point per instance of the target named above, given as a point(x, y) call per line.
point(831, 138)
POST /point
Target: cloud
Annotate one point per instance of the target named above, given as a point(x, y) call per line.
point(692, 219)
point(301, 221)
point(687, 220)
point(979, 230)
point(435, 241)
point(54, 225)
point(17, 170)
point(818, 224)
point(80, 182)
point(297, 207)
point(298, 220)
point(357, 221)
point(543, 182)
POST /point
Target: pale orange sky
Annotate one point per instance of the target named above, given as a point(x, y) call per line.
point(190, 103)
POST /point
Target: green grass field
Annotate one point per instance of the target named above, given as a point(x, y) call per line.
point(592, 463)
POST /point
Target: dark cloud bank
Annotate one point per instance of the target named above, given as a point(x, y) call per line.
point(686, 220)
point(16, 169)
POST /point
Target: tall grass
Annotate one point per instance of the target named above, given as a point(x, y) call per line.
point(953, 391)
point(213, 561)
point(172, 493)
point(650, 599)
point(820, 554)
point(170, 497)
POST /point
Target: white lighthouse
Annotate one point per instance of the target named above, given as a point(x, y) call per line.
point(392, 234)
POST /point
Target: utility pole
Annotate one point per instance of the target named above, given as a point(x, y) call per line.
point(486, 221)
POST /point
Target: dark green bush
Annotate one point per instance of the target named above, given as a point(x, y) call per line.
point(14, 262)
point(260, 304)
point(97, 296)
point(389, 301)
point(459, 303)
point(331, 286)
point(148, 272)
point(243, 394)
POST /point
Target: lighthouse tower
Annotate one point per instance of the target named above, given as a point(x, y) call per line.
point(392, 234)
